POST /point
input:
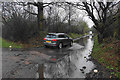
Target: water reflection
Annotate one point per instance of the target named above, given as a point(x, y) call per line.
point(82, 41)
point(74, 64)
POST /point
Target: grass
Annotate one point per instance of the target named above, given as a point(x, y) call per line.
point(74, 35)
point(33, 42)
point(5, 44)
point(107, 54)
point(38, 41)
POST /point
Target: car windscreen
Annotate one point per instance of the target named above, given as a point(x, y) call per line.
point(51, 36)
point(62, 36)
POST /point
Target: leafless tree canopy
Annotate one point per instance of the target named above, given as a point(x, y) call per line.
point(63, 16)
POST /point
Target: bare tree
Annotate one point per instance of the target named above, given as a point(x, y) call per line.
point(58, 14)
point(10, 9)
point(101, 13)
point(40, 7)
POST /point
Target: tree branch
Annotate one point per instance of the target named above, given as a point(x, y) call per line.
point(97, 11)
point(31, 12)
point(30, 3)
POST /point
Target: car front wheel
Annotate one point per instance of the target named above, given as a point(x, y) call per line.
point(71, 43)
point(60, 45)
point(46, 46)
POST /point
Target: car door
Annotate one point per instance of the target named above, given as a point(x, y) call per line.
point(62, 39)
point(68, 40)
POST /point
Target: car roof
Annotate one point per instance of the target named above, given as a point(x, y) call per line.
point(56, 33)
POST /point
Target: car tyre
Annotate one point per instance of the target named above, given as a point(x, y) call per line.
point(46, 46)
point(71, 43)
point(60, 45)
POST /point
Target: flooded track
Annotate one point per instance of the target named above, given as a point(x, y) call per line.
point(69, 62)
point(74, 64)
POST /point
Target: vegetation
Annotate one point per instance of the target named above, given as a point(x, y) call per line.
point(105, 17)
point(21, 24)
point(74, 35)
point(5, 44)
point(22, 32)
point(108, 54)
point(25, 26)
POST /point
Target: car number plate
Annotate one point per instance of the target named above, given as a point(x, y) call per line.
point(48, 41)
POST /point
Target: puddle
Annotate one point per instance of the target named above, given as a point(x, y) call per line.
point(74, 64)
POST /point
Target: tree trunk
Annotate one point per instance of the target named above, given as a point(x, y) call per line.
point(100, 38)
point(40, 16)
point(69, 22)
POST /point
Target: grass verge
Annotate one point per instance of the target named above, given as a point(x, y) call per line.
point(75, 35)
point(5, 44)
point(36, 41)
point(108, 54)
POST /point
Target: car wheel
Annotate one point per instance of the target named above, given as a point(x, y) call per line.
point(71, 43)
point(46, 46)
point(60, 45)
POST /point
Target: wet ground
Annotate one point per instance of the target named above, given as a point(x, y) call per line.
point(69, 62)
point(74, 64)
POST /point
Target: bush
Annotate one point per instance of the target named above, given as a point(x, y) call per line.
point(74, 35)
point(18, 29)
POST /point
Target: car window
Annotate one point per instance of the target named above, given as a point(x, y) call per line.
point(66, 36)
point(61, 36)
point(51, 36)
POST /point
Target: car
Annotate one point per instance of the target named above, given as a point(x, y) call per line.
point(57, 40)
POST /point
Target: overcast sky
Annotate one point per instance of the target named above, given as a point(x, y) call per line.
point(81, 13)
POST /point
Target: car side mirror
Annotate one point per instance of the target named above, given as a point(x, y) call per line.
point(67, 37)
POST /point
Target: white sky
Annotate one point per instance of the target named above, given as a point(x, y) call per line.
point(86, 18)
point(81, 13)
point(89, 21)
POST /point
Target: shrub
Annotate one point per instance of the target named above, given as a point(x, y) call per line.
point(18, 29)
